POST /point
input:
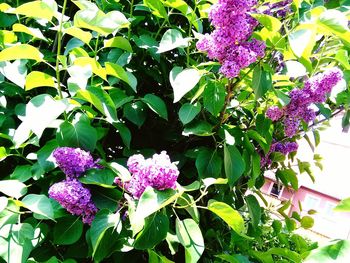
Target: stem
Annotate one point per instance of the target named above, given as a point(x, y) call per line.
point(95, 54)
point(59, 40)
point(131, 13)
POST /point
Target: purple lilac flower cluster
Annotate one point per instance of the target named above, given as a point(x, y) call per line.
point(279, 9)
point(74, 161)
point(158, 172)
point(70, 193)
point(283, 148)
point(228, 43)
point(75, 198)
point(315, 91)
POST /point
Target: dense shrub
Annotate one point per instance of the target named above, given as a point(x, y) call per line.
point(139, 131)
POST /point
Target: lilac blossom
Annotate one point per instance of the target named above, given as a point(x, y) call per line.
point(157, 172)
point(229, 42)
point(299, 108)
point(284, 148)
point(75, 198)
point(280, 9)
point(74, 161)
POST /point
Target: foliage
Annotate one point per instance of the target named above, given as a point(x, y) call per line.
point(122, 77)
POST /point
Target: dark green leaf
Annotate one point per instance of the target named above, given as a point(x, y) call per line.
point(135, 112)
point(67, 230)
point(156, 104)
point(233, 163)
point(254, 210)
point(103, 221)
point(208, 164)
point(214, 97)
point(80, 134)
point(100, 177)
point(155, 230)
point(262, 81)
point(188, 112)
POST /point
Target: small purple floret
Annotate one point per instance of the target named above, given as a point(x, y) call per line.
point(74, 161)
point(75, 198)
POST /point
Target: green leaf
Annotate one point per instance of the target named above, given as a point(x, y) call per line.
point(288, 175)
point(172, 39)
point(200, 128)
point(233, 163)
point(37, 79)
point(187, 12)
point(103, 221)
point(190, 236)
point(100, 177)
point(208, 164)
point(155, 230)
point(152, 201)
point(117, 71)
point(35, 9)
point(22, 51)
point(67, 230)
point(232, 217)
point(183, 81)
point(343, 206)
point(335, 251)
point(3, 153)
point(124, 133)
point(262, 81)
point(307, 222)
point(13, 188)
point(188, 112)
point(214, 97)
point(135, 112)
point(233, 258)
point(271, 23)
point(156, 104)
point(157, 8)
point(96, 20)
point(80, 134)
point(254, 210)
point(39, 204)
point(46, 163)
point(118, 42)
point(101, 100)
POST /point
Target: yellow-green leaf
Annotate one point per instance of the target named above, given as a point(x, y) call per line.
point(119, 42)
point(79, 33)
point(23, 51)
point(35, 9)
point(39, 79)
point(35, 32)
point(228, 214)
